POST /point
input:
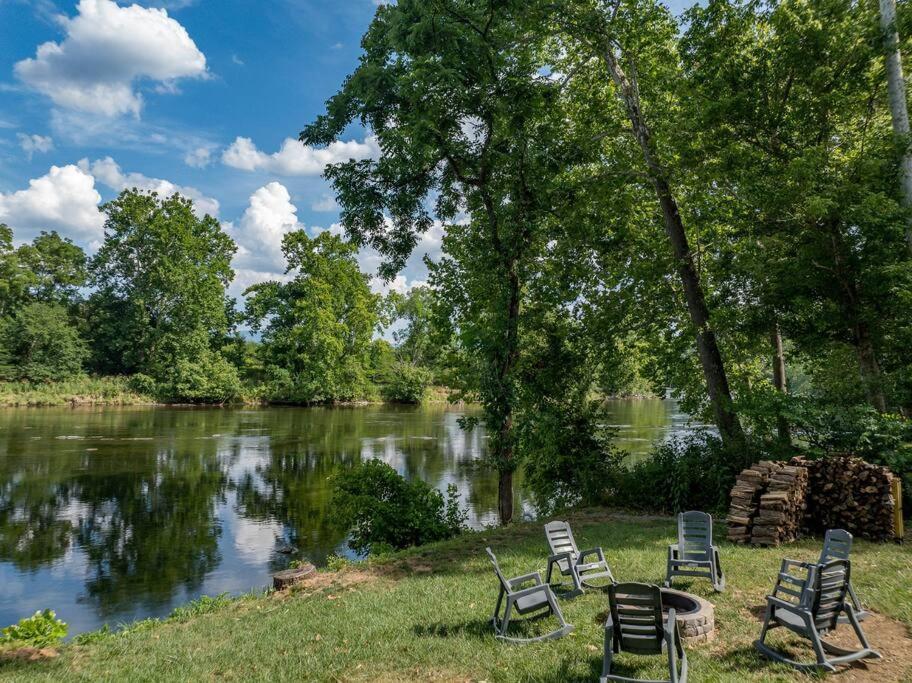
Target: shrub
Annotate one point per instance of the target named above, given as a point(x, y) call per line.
point(42, 629)
point(695, 472)
point(568, 455)
point(39, 344)
point(383, 508)
point(406, 383)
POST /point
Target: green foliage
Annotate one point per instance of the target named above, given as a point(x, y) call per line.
point(317, 328)
point(57, 268)
point(160, 305)
point(382, 508)
point(202, 605)
point(695, 472)
point(405, 383)
point(42, 629)
point(335, 563)
point(38, 344)
point(568, 456)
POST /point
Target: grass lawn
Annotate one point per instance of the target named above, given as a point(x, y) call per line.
point(423, 615)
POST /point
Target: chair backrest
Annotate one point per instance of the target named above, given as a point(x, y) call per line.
point(831, 586)
point(500, 577)
point(560, 538)
point(694, 535)
point(636, 610)
point(837, 544)
point(817, 588)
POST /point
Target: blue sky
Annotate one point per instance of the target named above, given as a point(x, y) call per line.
point(205, 97)
point(195, 95)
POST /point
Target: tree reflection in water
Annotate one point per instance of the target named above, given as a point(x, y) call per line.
point(117, 514)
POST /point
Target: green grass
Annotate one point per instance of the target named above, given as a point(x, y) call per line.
point(83, 390)
point(422, 615)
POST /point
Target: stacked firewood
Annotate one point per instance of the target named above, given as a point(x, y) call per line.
point(848, 493)
point(745, 499)
point(781, 510)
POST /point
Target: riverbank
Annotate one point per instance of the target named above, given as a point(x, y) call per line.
point(118, 391)
point(423, 615)
point(80, 391)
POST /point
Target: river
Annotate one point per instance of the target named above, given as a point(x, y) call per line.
point(110, 515)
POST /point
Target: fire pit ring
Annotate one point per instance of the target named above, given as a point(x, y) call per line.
point(695, 616)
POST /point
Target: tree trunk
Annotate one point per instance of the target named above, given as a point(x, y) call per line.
point(726, 418)
point(780, 381)
point(505, 496)
point(896, 86)
point(868, 366)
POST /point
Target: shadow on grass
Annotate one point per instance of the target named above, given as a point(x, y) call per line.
point(475, 628)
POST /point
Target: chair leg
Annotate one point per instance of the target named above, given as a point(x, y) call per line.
point(766, 623)
point(505, 624)
point(818, 646)
point(862, 638)
point(607, 658)
point(496, 618)
point(668, 568)
point(718, 578)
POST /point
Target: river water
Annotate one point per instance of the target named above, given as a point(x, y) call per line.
point(116, 514)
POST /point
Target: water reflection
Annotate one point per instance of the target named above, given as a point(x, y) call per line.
point(111, 515)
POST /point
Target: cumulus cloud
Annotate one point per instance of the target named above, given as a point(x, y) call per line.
point(259, 232)
point(107, 48)
point(64, 199)
point(109, 173)
point(199, 157)
point(295, 158)
point(35, 143)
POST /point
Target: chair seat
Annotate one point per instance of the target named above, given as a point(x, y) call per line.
point(532, 602)
point(589, 566)
point(787, 618)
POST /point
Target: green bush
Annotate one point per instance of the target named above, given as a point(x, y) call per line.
point(42, 629)
point(382, 508)
point(694, 472)
point(568, 455)
point(39, 344)
point(406, 383)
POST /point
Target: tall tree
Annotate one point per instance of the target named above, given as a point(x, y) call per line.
point(627, 37)
point(317, 328)
point(810, 165)
point(161, 306)
point(465, 114)
point(899, 111)
point(57, 268)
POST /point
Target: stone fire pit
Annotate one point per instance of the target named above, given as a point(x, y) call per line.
point(694, 615)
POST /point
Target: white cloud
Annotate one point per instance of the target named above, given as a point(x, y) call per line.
point(199, 157)
point(295, 158)
point(65, 199)
point(108, 48)
point(35, 143)
point(259, 232)
point(325, 204)
point(109, 173)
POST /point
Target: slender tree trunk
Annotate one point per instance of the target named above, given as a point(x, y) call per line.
point(896, 86)
point(505, 457)
point(780, 381)
point(720, 397)
point(868, 366)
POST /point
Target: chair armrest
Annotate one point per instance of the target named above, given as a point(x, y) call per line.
point(786, 563)
point(520, 580)
point(788, 606)
point(592, 551)
point(531, 590)
point(556, 557)
point(670, 622)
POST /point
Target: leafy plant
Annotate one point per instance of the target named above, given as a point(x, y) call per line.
point(406, 383)
point(42, 629)
point(382, 507)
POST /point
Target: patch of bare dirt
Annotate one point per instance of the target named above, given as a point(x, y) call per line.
point(28, 654)
point(890, 638)
point(369, 673)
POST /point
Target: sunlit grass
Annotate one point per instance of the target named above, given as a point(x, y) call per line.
point(83, 390)
point(422, 615)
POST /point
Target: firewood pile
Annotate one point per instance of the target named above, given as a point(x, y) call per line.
point(745, 500)
point(781, 511)
point(767, 504)
point(845, 492)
